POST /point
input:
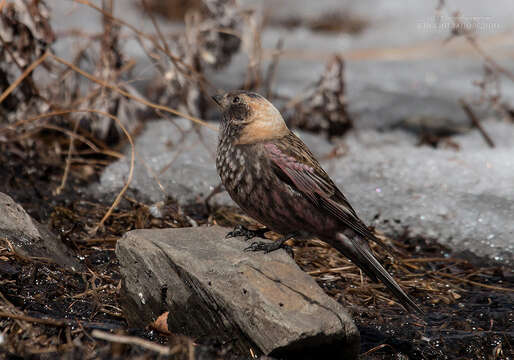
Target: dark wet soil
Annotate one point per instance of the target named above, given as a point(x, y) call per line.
point(463, 320)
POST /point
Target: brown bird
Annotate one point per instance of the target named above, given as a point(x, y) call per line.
point(272, 175)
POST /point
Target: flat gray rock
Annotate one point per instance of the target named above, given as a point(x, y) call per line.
point(211, 287)
point(31, 238)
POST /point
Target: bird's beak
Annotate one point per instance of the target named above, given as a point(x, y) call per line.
point(217, 99)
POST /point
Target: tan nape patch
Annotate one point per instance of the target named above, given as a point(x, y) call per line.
point(265, 123)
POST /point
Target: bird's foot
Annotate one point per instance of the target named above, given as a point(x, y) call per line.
point(268, 247)
point(240, 230)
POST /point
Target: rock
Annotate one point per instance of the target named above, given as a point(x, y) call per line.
point(31, 238)
point(210, 286)
point(178, 160)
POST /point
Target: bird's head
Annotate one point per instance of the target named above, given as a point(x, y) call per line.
point(254, 117)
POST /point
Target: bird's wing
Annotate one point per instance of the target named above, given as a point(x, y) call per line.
point(297, 166)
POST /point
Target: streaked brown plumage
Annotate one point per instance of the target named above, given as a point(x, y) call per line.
point(272, 175)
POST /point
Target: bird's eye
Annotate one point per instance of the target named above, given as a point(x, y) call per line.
point(236, 100)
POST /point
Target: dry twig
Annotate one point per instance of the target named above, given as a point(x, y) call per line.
point(68, 159)
point(52, 322)
point(22, 77)
point(132, 155)
point(471, 115)
point(475, 283)
point(133, 97)
point(124, 339)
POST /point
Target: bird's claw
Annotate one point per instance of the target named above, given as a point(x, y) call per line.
point(261, 246)
point(268, 247)
point(240, 230)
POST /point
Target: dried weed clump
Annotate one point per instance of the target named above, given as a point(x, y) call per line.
point(25, 35)
point(210, 39)
point(324, 107)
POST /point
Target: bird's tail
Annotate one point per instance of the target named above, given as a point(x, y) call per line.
point(358, 250)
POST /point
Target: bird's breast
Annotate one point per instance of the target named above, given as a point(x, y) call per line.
point(248, 177)
point(239, 169)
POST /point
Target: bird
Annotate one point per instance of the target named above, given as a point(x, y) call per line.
point(274, 178)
